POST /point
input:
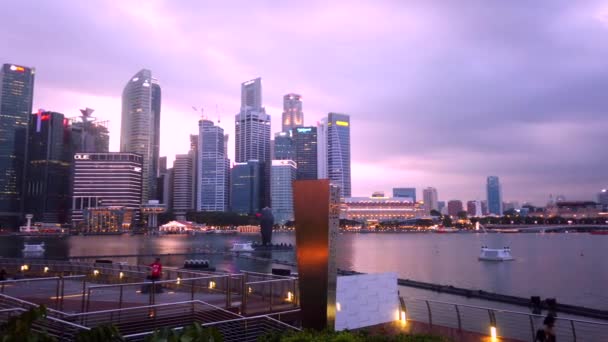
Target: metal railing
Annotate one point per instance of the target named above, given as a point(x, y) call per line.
point(507, 323)
point(58, 328)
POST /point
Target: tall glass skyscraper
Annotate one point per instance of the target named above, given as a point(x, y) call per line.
point(212, 179)
point(140, 126)
point(305, 146)
point(282, 175)
point(494, 192)
point(429, 196)
point(183, 177)
point(247, 186)
point(322, 149)
point(16, 95)
point(338, 152)
point(283, 146)
point(292, 112)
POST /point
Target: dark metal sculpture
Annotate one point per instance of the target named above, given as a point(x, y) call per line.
point(266, 223)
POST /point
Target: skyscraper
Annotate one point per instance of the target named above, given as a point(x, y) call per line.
point(338, 152)
point(494, 193)
point(183, 194)
point(283, 146)
point(140, 126)
point(305, 147)
point(454, 207)
point(16, 94)
point(213, 179)
point(247, 187)
point(90, 135)
point(322, 149)
point(292, 112)
point(282, 175)
point(252, 132)
point(429, 196)
point(405, 192)
point(602, 198)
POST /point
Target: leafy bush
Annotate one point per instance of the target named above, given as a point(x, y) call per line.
point(19, 328)
point(191, 333)
point(345, 336)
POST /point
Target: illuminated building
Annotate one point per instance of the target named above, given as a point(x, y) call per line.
point(574, 209)
point(247, 187)
point(283, 146)
point(106, 180)
point(405, 192)
point(108, 219)
point(293, 116)
point(377, 208)
point(454, 207)
point(282, 175)
point(494, 192)
point(140, 126)
point(322, 149)
point(429, 198)
point(338, 152)
point(602, 198)
point(183, 189)
point(213, 179)
point(16, 95)
point(305, 146)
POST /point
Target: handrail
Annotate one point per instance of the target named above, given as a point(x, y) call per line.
point(268, 281)
point(269, 275)
point(155, 282)
point(149, 307)
point(54, 319)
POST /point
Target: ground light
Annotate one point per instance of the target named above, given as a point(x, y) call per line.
point(289, 296)
point(46, 269)
point(338, 307)
point(24, 267)
point(178, 281)
point(211, 285)
point(95, 272)
point(121, 275)
point(493, 334)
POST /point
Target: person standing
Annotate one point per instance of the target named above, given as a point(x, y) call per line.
point(156, 270)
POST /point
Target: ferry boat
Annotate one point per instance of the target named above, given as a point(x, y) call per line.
point(33, 248)
point(446, 230)
point(489, 254)
point(242, 247)
point(39, 228)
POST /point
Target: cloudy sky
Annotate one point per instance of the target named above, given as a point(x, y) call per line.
point(440, 93)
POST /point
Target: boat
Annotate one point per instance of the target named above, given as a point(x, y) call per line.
point(198, 264)
point(599, 232)
point(242, 247)
point(489, 254)
point(40, 228)
point(445, 230)
point(33, 248)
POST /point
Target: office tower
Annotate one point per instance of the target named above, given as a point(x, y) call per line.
point(106, 180)
point(282, 175)
point(194, 141)
point(602, 198)
point(405, 192)
point(484, 207)
point(183, 194)
point(283, 146)
point(305, 147)
point(454, 207)
point(338, 152)
point(252, 132)
point(247, 187)
point(429, 196)
point(226, 139)
point(88, 134)
point(140, 126)
point(441, 207)
point(16, 94)
point(322, 149)
point(494, 193)
point(474, 208)
point(293, 116)
point(48, 167)
point(212, 179)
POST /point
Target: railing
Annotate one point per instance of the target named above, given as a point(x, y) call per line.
point(40, 289)
point(60, 329)
point(268, 293)
point(504, 323)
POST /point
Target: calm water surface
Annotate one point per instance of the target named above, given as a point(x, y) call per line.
point(571, 267)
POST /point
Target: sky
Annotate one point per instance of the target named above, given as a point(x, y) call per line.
point(440, 93)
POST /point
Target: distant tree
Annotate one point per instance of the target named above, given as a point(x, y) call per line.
point(447, 221)
point(19, 328)
point(435, 212)
point(462, 214)
point(166, 217)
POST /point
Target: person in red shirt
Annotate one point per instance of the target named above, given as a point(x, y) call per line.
point(156, 270)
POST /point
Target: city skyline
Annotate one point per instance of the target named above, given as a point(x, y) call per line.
point(434, 152)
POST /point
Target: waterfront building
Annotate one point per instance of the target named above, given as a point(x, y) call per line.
point(283, 146)
point(194, 141)
point(50, 154)
point(474, 208)
point(429, 198)
point(602, 198)
point(213, 179)
point(338, 152)
point(106, 180)
point(88, 134)
point(454, 207)
point(405, 192)
point(494, 195)
point(293, 116)
point(247, 187)
point(99, 220)
point(183, 190)
point(441, 207)
point(379, 208)
point(140, 126)
point(282, 175)
point(164, 184)
point(322, 149)
point(305, 147)
point(16, 96)
point(484, 207)
point(574, 209)
point(252, 132)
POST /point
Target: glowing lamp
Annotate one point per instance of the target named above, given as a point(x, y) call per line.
point(95, 272)
point(121, 275)
point(46, 269)
point(289, 296)
point(211, 285)
point(493, 334)
point(24, 267)
point(250, 290)
point(178, 281)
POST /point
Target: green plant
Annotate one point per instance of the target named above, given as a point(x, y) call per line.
point(191, 333)
point(102, 333)
point(344, 336)
point(19, 328)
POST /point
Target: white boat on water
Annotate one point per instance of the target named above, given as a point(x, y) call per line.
point(33, 248)
point(242, 247)
point(489, 254)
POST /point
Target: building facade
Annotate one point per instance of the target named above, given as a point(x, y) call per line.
point(376, 209)
point(293, 116)
point(338, 152)
point(602, 198)
point(322, 149)
point(494, 195)
point(90, 135)
point(454, 207)
point(306, 154)
point(183, 188)
point(247, 187)
point(16, 96)
point(430, 200)
point(140, 126)
point(282, 175)
point(405, 192)
point(283, 146)
point(213, 179)
point(106, 180)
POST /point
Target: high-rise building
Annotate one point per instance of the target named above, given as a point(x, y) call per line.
point(48, 167)
point(305, 147)
point(474, 208)
point(494, 192)
point(293, 116)
point(322, 149)
point(405, 192)
point(16, 95)
point(338, 152)
point(88, 134)
point(441, 207)
point(140, 126)
point(247, 187)
point(602, 198)
point(212, 191)
point(106, 180)
point(194, 150)
point(282, 175)
point(283, 146)
point(183, 194)
point(252, 132)
point(429, 197)
point(454, 207)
